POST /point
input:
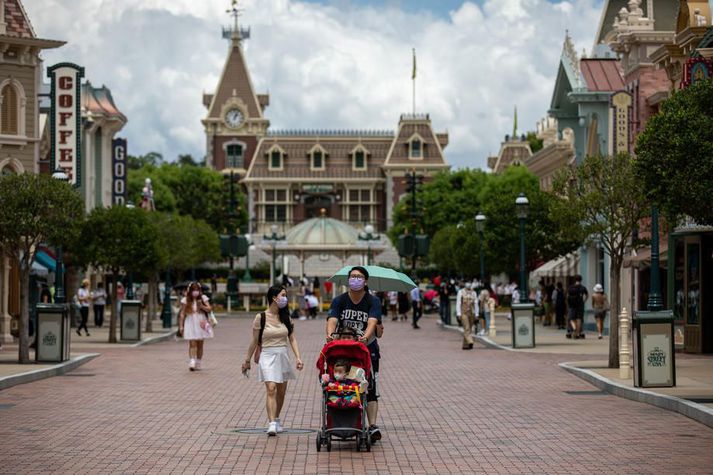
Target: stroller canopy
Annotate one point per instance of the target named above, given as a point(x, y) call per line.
point(353, 351)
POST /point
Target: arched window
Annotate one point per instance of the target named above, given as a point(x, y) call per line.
point(317, 158)
point(275, 155)
point(234, 154)
point(416, 145)
point(359, 157)
point(10, 111)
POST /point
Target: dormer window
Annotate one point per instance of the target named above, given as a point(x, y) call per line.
point(415, 147)
point(359, 157)
point(274, 158)
point(317, 158)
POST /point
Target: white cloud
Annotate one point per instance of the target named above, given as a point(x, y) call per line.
point(324, 66)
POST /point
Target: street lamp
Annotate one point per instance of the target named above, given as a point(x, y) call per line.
point(274, 237)
point(59, 295)
point(130, 276)
point(246, 276)
point(368, 236)
point(522, 207)
point(480, 226)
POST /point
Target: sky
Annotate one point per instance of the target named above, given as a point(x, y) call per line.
point(327, 64)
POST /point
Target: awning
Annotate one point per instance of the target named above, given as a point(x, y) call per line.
point(642, 259)
point(45, 260)
point(563, 266)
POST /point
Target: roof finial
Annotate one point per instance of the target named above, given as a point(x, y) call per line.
point(235, 33)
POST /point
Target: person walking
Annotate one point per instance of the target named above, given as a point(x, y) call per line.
point(417, 305)
point(600, 304)
point(359, 310)
point(549, 305)
point(467, 312)
point(576, 297)
point(560, 305)
point(272, 333)
point(393, 304)
point(193, 323)
point(404, 305)
point(84, 297)
point(99, 302)
point(485, 314)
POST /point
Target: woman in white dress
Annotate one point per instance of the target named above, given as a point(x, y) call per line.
point(272, 333)
point(194, 324)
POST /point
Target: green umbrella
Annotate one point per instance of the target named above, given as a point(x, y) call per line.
point(380, 278)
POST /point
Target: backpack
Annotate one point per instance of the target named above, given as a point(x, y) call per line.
point(574, 296)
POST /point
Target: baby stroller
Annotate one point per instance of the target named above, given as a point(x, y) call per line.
point(343, 405)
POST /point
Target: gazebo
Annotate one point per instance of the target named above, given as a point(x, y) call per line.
point(333, 241)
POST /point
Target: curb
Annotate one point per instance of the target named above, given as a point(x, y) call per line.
point(483, 339)
point(695, 411)
point(155, 339)
point(56, 370)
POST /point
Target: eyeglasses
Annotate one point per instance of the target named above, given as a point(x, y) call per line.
point(357, 276)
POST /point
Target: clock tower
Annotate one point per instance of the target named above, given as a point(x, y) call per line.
point(234, 123)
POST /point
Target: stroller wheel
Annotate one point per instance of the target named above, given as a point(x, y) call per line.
point(367, 443)
point(329, 444)
point(319, 443)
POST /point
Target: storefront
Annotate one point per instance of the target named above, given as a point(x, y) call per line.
point(690, 286)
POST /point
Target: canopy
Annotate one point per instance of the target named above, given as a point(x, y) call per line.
point(562, 266)
point(642, 259)
point(380, 278)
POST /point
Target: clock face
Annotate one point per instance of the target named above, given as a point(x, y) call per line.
point(234, 117)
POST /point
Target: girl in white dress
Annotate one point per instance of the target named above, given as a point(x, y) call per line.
point(194, 324)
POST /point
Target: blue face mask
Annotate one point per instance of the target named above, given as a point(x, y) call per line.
point(356, 284)
point(281, 301)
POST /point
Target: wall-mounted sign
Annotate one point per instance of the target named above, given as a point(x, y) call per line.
point(696, 70)
point(317, 188)
point(621, 103)
point(65, 120)
point(118, 171)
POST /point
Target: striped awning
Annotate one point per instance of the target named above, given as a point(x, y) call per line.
point(563, 266)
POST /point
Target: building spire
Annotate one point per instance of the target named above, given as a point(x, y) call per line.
point(514, 125)
point(234, 32)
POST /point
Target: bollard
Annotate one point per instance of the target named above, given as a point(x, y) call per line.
point(624, 344)
point(492, 332)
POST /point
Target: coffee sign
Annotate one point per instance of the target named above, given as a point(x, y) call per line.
point(65, 119)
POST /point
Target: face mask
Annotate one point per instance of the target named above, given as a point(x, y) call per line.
point(356, 284)
point(281, 302)
point(338, 376)
point(195, 293)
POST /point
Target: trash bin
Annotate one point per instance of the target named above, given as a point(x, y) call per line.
point(523, 325)
point(130, 323)
point(52, 335)
point(654, 353)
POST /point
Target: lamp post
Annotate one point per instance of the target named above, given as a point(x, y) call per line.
point(368, 236)
point(246, 276)
point(59, 295)
point(166, 314)
point(480, 226)
point(130, 275)
point(522, 207)
point(655, 302)
point(274, 237)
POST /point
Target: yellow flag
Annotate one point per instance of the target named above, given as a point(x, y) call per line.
point(413, 73)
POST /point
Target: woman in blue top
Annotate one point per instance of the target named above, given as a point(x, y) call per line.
point(361, 311)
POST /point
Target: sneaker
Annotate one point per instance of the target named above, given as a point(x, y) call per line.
point(280, 429)
point(192, 364)
point(599, 337)
point(198, 363)
point(374, 433)
point(272, 428)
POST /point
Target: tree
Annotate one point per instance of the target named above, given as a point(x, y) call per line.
point(152, 159)
point(34, 209)
point(116, 239)
point(190, 190)
point(536, 144)
point(601, 199)
point(673, 154)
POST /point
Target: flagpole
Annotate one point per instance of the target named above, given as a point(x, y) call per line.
point(413, 78)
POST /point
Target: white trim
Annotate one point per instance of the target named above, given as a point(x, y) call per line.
point(414, 137)
point(21, 106)
point(360, 148)
point(317, 148)
point(269, 158)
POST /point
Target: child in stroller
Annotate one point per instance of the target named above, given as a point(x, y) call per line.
point(343, 365)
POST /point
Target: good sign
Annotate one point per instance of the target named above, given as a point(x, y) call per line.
point(65, 119)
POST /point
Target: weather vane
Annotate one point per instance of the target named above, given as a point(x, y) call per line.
point(234, 11)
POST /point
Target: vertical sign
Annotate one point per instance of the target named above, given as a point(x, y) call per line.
point(118, 171)
point(65, 120)
point(621, 104)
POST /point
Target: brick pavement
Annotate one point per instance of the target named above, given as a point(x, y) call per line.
point(444, 411)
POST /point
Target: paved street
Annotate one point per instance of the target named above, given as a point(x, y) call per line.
point(444, 411)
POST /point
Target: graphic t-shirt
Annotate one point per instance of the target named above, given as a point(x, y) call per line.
point(356, 315)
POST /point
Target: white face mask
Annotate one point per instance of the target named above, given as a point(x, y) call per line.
point(338, 376)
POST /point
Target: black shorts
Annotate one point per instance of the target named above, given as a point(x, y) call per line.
point(576, 313)
point(372, 393)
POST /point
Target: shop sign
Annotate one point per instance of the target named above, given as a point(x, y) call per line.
point(65, 120)
point(317, 188)
point(119, 172)
point(621, 104)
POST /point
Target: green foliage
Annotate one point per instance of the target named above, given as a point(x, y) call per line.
point(535, 143)
point(152, 159)
point(456, 197)
point(674, 151)
point(186, 242)
point(190, 190)
point(35, 209)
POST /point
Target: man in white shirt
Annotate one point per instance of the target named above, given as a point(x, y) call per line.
point(467, 312)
